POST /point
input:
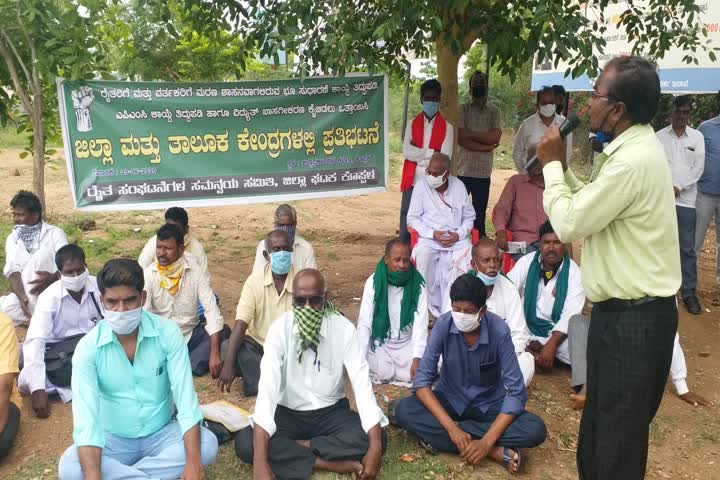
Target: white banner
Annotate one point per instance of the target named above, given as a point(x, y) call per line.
point(676, 76)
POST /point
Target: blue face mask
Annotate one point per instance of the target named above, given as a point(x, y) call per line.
point(123, 323)
point(280, 262)
point(290, 229)
point(430, 108)
point(487, 279)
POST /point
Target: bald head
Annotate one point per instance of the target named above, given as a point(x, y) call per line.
point(309, 282)
point(486, 257)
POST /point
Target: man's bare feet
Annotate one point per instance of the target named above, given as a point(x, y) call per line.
point(578, 399)
point(303, 443)
point(513, 465)
point(339, 466)
point(534, 347)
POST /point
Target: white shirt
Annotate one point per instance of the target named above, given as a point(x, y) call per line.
point(194, 247)
point(504, 301)
point(310, 385)
point(421, 156)
point(574, 301)
point(431, 211)
point(531, 130)
point(182, 307)
point(678, 368)
point(686, 156)
point(57, 316)
point(417, 332)
point(17, 257)
point(303, 255)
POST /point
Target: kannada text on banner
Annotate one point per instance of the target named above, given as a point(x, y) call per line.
point(151, 144)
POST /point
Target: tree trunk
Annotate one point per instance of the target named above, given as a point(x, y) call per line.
point(38, 150)
point(447, 67)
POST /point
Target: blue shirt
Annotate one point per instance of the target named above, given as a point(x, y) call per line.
point(476, 377)
point(132, 400)
point(709, 182)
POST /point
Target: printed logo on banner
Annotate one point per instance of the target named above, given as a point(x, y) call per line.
point(82, 98)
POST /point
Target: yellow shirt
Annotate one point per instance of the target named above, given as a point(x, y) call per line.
point(9, 351)
point(260, 304)
point(626, 216)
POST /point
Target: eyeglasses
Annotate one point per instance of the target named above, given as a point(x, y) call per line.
point(595, 95)
point(315, 301)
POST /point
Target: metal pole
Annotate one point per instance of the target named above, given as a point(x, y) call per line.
point(405, 106)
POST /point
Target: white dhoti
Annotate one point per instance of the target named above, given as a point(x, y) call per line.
point(527, 366)
point(10, 304)
point(391, 362)
point(563, 351)
point(440, 267)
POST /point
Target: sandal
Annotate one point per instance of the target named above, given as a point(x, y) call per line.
point(508, 454)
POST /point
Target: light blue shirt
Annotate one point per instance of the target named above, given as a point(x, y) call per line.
point(709, 182)
point(111, 395)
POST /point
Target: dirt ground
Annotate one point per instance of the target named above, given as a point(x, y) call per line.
point(348, 235)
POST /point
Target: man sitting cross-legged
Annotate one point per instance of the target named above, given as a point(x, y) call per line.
point(135, 411)
point(177, 216)
point(578, 341)
point(302, 420)
point(29, 257)
point(441, 213)
point(175, 284)
point(266, 295)
point(477, 408)
point(503, 300)
point(303, 253)
point(65, 311)
point(551, 289)
point(393, 322)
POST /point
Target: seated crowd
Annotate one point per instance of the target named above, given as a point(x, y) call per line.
point(438, 316)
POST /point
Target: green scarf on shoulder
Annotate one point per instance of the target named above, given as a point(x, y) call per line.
point(411, 281)
point(540, 327)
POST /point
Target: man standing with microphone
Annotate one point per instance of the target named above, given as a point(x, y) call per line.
point(630, 266)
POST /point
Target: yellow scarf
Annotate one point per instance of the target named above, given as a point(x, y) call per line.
point(170, 276)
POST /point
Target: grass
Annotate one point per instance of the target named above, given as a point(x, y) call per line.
point(661, 426)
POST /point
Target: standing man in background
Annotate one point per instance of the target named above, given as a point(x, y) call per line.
point(479, 133)
point(426, 134)
point(708, 197)
point(535, 126)
point(685, 150)
point(630, 267)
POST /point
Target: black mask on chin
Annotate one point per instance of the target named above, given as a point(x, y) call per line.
point(479, 91)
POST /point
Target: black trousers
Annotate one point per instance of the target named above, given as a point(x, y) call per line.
point(404, 207)
point(479, 190)
point(247, 364)
point(199, 348)
point(629, 354)
point(335, 433)
point(7, 436)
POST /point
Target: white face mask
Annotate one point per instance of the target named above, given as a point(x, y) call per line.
point(548, 110)
point(435, 182)
point(466, 322)
point(75, 284)
point(125, 322)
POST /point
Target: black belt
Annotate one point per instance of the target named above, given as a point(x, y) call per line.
point(619, 304)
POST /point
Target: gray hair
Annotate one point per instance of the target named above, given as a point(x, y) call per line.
point(274, 233)
point(285, 210)
point(445, 159)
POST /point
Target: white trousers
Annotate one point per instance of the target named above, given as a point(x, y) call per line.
point(527, 366)
point(439, 268)
point(391, 362)
point(563, 351)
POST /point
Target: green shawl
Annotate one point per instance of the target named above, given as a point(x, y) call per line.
point(411, 281)
point(540, 327)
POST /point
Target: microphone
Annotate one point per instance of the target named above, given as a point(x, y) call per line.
point(571, 123)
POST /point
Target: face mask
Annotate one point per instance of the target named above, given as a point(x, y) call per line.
point(487, 279)
point(430, 108)
point(290, 229)
point(479, 91)
point(548, 110)
point(466, 322)
point(75, 284)
point(280, 262)
point(435, 182)
point(125, 322)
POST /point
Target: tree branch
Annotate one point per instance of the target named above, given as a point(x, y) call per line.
point(37, 90)
point(19, 90)
point(17, 55)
